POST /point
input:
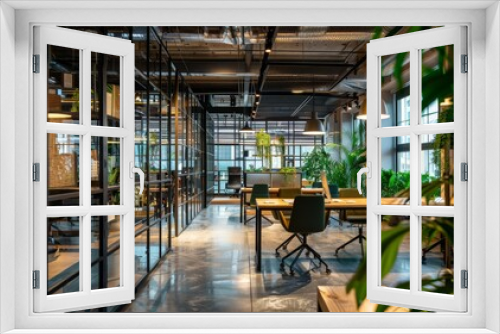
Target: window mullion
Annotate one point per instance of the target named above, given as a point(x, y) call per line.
point(414, 168)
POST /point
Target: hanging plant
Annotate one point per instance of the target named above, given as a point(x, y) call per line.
point(263, 143)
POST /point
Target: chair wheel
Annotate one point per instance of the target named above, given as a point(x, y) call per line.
point(307, 253)
point(277, 254)
point(328, 271)
point(292, 273)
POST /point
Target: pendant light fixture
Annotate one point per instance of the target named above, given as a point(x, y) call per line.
point(314, 126)
point(247, 128)
point(383, 115)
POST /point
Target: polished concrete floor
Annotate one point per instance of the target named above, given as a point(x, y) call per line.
point(211, 268)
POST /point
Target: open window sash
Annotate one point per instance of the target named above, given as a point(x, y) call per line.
point(423, 292)
point(64, 132)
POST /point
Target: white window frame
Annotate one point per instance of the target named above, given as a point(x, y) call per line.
point(414, 43)
point(86, 297)
point(483, 101)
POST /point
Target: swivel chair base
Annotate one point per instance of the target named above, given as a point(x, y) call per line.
point(285, 243)
point(300, 249)
point(359, 237)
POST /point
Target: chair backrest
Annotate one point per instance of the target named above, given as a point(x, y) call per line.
point(349, 193)
point(308, 214)
point(234, 176)
point(259, 191)
point(289, 192)
point(334, 189)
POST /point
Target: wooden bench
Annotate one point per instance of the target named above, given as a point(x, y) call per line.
point(335, 299)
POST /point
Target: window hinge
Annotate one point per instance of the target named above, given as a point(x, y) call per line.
point(36, 172)
point(36, 279)
point(464, 171)
point(465, 64)
point(36, 63)
point(464, 279)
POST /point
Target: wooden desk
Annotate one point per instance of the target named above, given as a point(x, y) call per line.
point(272, 191)
point(336, 299)
point(287, 204)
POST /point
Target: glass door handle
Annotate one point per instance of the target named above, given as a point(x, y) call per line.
point(368, 171)
point(139, 171)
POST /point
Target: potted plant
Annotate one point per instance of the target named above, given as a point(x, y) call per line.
point(316, 161)
point(344, 172)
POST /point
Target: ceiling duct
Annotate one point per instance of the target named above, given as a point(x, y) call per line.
point(224, 36)
point(234, 36)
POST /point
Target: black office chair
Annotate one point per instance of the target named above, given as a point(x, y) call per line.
point(286, 193)
point(308, 216)
point(234, 180)
point(355, 217)
point(258, 191)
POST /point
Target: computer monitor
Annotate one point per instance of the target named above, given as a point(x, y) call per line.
point(324, 184)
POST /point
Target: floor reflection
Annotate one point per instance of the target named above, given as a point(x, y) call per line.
point(212, 268)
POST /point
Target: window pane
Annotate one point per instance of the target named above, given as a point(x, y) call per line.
point(63, 255)
point(63, 170)
point(395, 257)
point(437, 169)
point(395, 81)
point(437, 254)
point(105, 93)
point(63, 83)
point(395, 172)
point(114, 158)
point(437, 85)
point(112, 224)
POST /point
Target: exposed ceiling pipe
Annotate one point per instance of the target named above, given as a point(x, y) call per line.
point(205, 37)
point(394, 31)
point(301, 106)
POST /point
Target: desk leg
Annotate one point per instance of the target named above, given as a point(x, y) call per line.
point(242, 195)
point(258, 239)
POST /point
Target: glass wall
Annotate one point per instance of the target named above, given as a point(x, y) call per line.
point(162, 153)
point(233, 148)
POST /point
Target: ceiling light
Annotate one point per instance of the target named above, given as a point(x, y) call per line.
point(363, 115)
point(257, 94)
point(257, 103)
point(267, 50)
point(314, 126)
point(56, 115)
point(247, 128)
point(447, 102)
